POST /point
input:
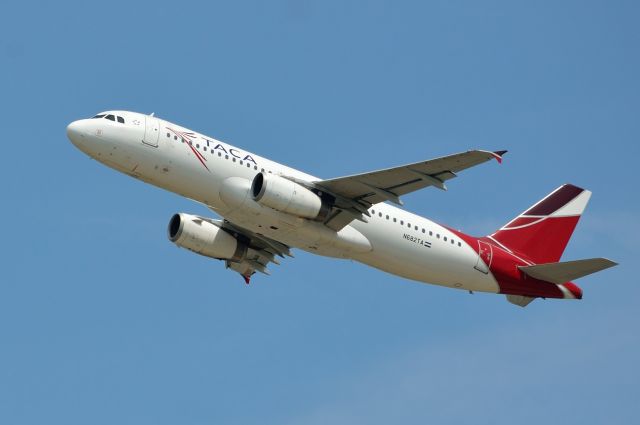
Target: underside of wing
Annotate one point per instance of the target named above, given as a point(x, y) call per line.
point(261, 250)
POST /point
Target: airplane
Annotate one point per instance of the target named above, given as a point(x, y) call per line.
point(268, 208)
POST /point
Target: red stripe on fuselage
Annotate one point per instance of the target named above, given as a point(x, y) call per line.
point(504, 268)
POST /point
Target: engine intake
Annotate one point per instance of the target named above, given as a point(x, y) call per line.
point(205, 238)
point(289, 197)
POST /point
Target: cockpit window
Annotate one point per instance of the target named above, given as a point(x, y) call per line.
point(110, 117)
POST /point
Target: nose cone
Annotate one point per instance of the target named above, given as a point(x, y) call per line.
point(76, 132)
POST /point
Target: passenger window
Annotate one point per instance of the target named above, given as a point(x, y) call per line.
point(430, 233)
point(459, 244)
point(387, 217)
point(409, 225)
point(379, 214)
point(445, 238)
point(394, 219)
point(422, 230)
point(121, 120)
point(110, 117)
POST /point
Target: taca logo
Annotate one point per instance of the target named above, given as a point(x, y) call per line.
point(188, 137)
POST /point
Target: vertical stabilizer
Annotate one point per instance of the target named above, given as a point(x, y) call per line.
point(542, 232)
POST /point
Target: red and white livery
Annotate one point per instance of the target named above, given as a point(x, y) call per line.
point(268, 208)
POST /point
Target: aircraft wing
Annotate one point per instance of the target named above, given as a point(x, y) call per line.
point(355, 194)
point(260, 253)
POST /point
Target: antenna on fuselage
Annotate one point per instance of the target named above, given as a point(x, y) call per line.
point(151, 114)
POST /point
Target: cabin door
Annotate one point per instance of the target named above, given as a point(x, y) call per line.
point(151, 131)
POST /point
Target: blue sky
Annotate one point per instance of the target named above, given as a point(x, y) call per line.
point(103, 320)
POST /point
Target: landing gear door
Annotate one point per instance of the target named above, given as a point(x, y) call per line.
point(151, 131)
point(485, 255)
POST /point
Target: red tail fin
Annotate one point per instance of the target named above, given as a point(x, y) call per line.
point(542, 232)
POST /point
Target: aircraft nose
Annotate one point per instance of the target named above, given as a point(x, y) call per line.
point(75, 132)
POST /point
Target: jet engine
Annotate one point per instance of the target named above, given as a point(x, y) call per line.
point(205, 238)
point(289, 197)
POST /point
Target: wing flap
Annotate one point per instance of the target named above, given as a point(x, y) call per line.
point(567, 271)
point(260, 253)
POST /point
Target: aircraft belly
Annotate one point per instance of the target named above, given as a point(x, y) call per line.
point(242, 210)
point(309, 237)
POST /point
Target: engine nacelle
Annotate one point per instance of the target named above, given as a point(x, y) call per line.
point(204, 238)
point(289, 197)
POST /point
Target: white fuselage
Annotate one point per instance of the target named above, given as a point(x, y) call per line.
point(219, 176)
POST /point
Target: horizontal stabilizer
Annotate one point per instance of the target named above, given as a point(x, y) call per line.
point(567, 271)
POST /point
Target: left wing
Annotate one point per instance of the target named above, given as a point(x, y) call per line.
point(355, 194)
